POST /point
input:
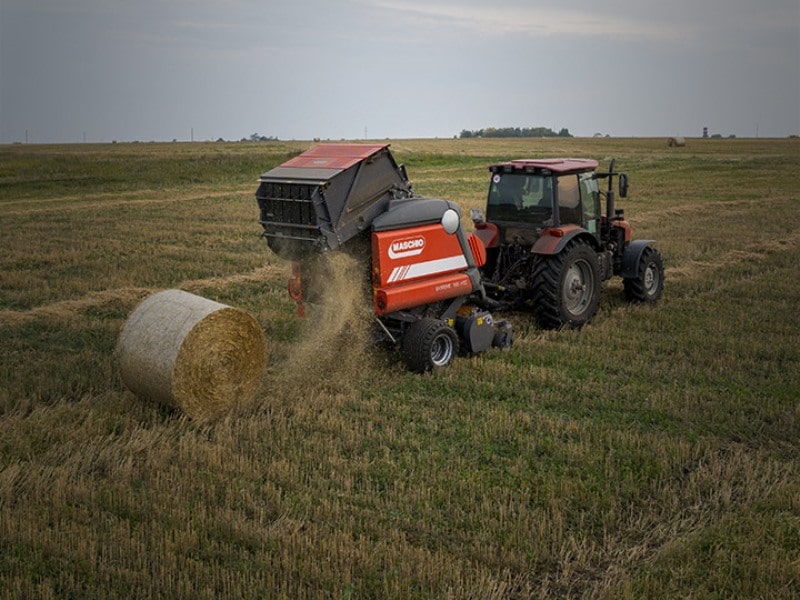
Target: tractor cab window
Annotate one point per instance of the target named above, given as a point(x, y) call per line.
point(569, 200)
point(520, 197)
point(590, 198)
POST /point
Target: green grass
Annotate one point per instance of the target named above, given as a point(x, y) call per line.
point(652, 454)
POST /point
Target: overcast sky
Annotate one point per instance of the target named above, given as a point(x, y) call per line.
point(337, 69)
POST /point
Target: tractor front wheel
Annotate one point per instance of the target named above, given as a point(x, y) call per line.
point(429, 344)
point(566, 287)
point(648, 284)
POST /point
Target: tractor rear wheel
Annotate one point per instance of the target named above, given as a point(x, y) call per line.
point(648, 284)
point(566, 287)
point(429, 344)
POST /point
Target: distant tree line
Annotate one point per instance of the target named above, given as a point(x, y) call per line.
point(255, 137)
point(514, 132)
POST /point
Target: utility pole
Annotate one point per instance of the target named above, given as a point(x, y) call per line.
point(192, 133)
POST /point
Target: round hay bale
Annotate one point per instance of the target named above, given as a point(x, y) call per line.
point(191, 353)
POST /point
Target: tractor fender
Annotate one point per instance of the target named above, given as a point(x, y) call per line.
point(631, 256)
point(555, 239)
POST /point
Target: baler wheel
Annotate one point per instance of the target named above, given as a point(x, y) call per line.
point(429, 344)
point(648, 284)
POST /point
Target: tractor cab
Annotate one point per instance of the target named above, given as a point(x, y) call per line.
point(529, 196)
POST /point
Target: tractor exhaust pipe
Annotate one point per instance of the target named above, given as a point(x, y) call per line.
point(610, 193)
point(612, 214)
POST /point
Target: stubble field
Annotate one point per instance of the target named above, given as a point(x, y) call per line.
point(655, 453)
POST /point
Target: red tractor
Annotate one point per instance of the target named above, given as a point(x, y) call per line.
point(543, 244)
point(549, 246)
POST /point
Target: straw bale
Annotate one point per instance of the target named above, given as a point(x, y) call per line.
point(191, 353)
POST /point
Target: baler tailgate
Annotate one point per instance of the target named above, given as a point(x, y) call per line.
point(324, 197)
point(288, 205)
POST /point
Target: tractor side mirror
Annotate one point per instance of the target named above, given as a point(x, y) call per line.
point(623, 185)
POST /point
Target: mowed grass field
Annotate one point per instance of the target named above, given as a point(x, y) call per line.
point(653, 454)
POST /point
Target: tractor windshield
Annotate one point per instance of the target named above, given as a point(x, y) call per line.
point(520, 197)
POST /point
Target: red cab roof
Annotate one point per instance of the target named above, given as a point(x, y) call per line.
point(557, 165)
point(333, 156)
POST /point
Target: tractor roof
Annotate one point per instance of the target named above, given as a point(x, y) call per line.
point(556, 165)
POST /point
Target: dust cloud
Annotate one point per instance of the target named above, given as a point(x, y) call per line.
point(333, 350)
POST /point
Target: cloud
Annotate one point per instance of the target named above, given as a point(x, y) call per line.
point(509, 20)
point(678, 21)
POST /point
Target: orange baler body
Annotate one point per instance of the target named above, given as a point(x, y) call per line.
point(416, 266)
